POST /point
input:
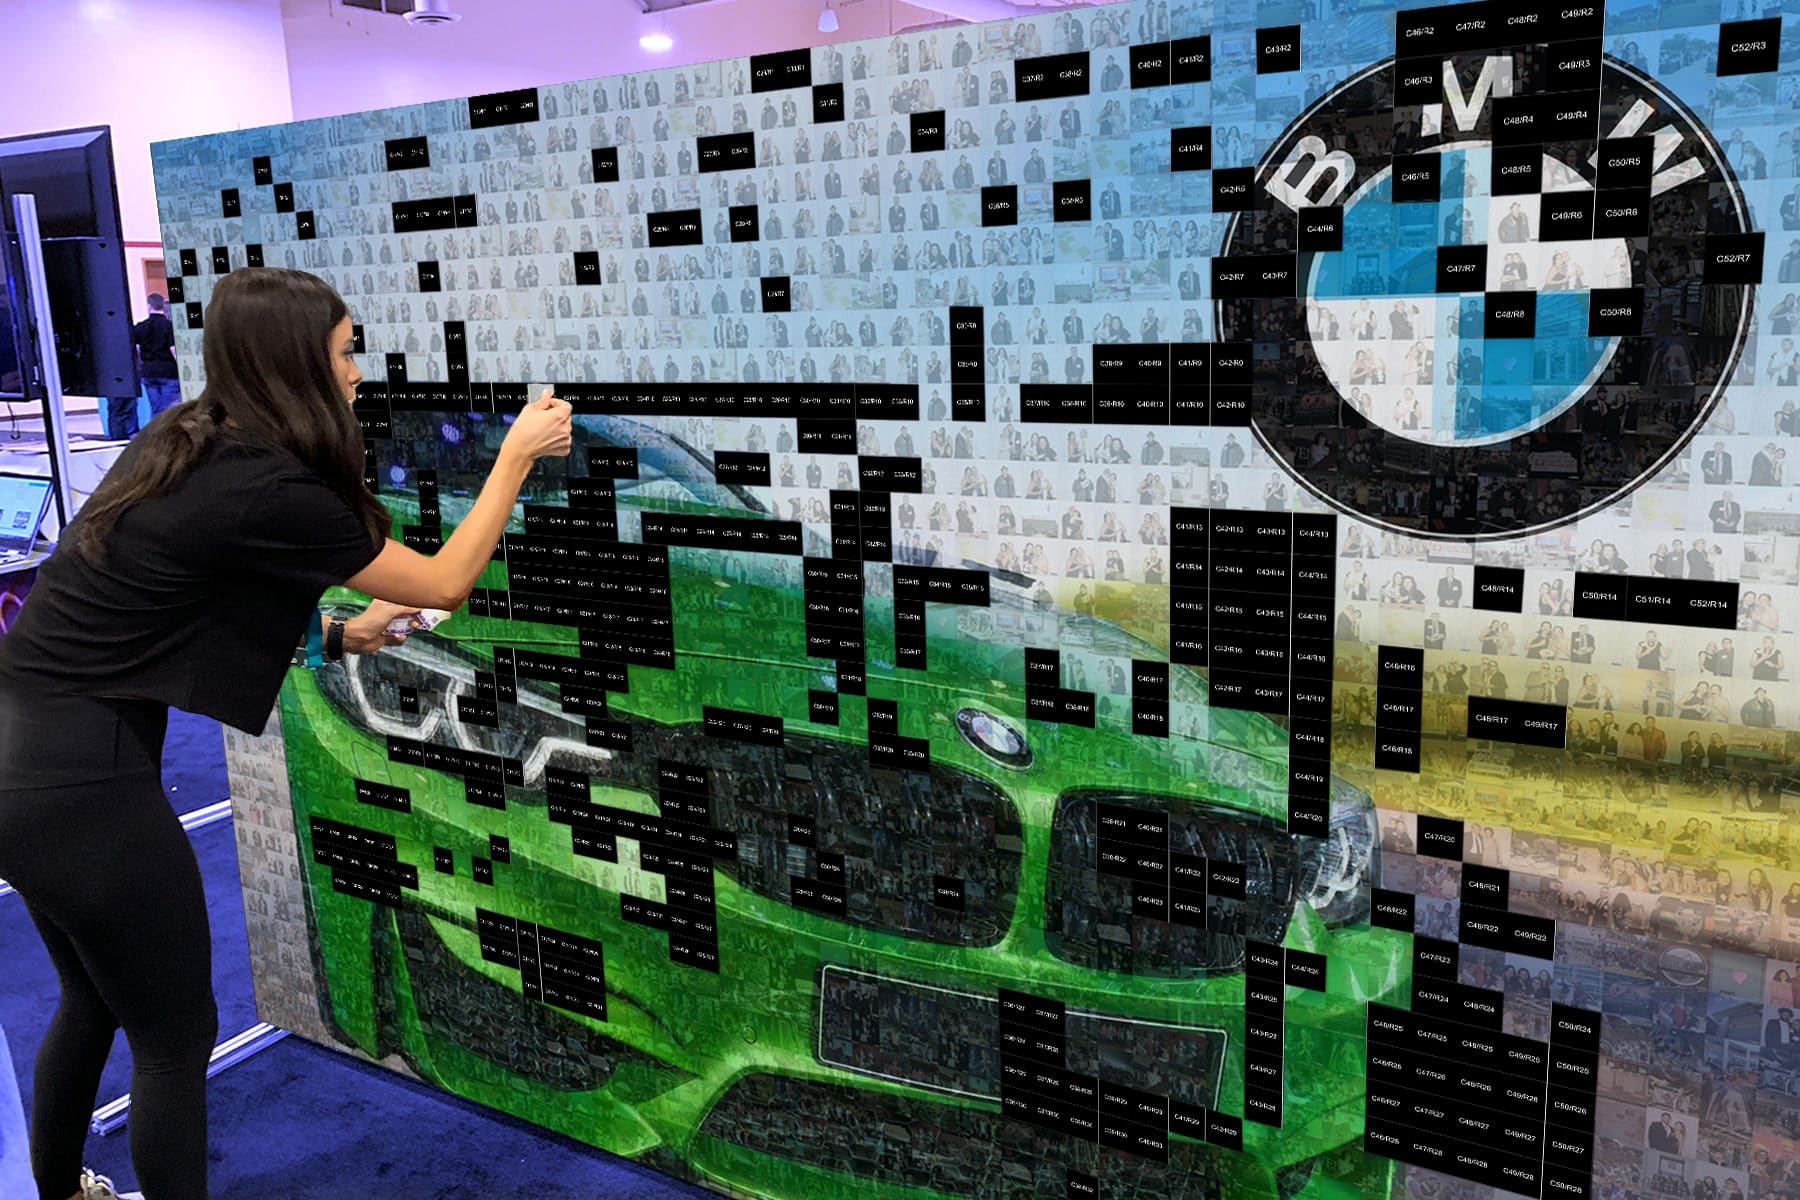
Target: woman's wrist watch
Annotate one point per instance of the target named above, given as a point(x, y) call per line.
point(334, 640)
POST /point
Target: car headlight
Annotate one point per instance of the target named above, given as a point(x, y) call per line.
point(415, 691)
point(1336, 870)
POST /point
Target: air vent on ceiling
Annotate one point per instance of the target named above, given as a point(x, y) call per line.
point(432, 12)
point(393, 8)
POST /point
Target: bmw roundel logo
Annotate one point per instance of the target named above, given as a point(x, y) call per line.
point(994, 737)
point(1523, 278)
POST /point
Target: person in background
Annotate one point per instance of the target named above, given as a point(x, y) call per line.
point(187, 580)
point(154, 337)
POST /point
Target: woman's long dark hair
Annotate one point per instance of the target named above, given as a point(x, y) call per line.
point(269, 372)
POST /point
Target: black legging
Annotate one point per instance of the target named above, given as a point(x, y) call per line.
point(108, 877)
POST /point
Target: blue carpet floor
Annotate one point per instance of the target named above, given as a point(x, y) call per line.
point(298, 1121)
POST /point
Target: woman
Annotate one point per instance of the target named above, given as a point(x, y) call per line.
point(1761, 892)
point(1694, 705)
point(1559, 278)
point(1489, 638)
point(187, 580)
point(1721, 889)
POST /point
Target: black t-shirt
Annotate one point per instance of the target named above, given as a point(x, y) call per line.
point(154, 337)
point(203, 593)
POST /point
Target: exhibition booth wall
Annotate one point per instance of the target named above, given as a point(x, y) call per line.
point(1149, 602)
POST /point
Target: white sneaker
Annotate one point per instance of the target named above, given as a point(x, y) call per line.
point(99, 1187)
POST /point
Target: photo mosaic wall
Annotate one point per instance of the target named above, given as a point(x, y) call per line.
point(1149, 602)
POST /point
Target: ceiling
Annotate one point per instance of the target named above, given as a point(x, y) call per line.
point(981, 10)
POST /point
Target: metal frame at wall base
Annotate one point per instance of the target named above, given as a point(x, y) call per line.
point(56, 428)
point(254, 1040)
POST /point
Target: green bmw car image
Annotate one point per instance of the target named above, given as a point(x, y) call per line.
point(802, 1000)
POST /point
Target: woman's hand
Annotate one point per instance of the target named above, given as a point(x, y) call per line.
point(367, 632)
point(542, 429)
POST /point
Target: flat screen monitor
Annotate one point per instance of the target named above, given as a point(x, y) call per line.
point(70, 173)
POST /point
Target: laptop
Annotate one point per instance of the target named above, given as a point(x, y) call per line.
point(24, 499)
